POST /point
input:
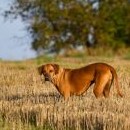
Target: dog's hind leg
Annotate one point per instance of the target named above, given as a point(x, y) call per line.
point(100, 84)
point(107, 88)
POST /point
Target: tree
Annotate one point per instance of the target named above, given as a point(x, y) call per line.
point(57, 24)
point(112, 26)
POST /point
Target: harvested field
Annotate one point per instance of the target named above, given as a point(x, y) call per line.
point(26, 103)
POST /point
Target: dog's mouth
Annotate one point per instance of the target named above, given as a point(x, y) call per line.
point(47, 79)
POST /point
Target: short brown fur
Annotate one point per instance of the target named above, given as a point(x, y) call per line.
point(77, 81)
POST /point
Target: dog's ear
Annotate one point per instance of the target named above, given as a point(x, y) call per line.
point(40, 69)
point(56, 68)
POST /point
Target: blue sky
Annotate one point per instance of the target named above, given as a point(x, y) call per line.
point(14, 39)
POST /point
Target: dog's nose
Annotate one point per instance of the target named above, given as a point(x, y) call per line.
point(47, 77)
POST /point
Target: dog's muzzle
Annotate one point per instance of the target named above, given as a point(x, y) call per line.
point(47, 77)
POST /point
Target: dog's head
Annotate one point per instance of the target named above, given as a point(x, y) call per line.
point(49, 71)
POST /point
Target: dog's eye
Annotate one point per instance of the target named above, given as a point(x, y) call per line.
point(51, 71)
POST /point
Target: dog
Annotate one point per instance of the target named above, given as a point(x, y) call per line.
point(76, 81)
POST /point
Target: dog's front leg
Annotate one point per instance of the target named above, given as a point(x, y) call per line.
point(66, 95)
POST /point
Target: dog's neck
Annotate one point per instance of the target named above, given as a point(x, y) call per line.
point(59, 78)
point(56, 78)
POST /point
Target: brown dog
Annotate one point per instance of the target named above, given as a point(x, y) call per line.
point(77, 81)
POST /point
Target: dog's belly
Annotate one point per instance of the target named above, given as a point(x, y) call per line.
point(80, 88)
point(81, 91)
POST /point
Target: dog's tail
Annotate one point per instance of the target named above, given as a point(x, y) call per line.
point(115, 77)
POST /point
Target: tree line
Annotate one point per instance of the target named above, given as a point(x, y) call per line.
point(66, 24)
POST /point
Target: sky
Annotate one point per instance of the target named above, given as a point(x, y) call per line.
point(14, 39)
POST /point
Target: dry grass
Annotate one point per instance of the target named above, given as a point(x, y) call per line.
point(26, 103)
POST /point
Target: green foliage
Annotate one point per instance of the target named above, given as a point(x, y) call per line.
point(57, 24)
point(114, 21)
